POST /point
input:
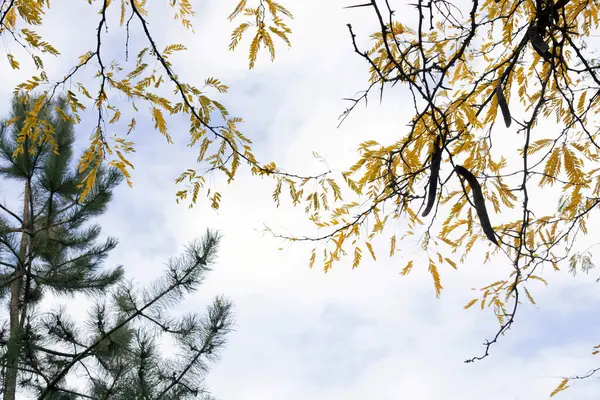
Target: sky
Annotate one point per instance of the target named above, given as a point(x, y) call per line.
point(300, 333)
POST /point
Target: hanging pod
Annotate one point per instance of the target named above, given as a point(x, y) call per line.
point(479, 201)
point(537, 42)
point(503, 105)
point(436, 160)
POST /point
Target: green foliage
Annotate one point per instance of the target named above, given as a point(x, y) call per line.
point(49, 247)
point(121, 339)
point(62, 254)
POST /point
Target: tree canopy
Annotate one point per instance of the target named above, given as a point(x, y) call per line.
point(50, 252)
point(529, 65)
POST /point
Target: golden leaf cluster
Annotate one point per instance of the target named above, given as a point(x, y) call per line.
point(221, 145)
point(267, 19)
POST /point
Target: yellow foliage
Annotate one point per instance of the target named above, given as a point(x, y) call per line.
point(370, 248)
point(436, 278)
point(408, 268)
point(357, 257)
point(561, 386)
point(265, 18)
point(470, 303)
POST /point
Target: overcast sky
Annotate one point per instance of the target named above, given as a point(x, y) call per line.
point(368, 333)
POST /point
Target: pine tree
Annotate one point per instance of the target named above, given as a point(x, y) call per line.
point(49, 248)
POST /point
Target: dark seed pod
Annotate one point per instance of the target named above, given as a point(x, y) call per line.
point(537, 42)
point(436, 160)
point(503, 105)
point(479, 201)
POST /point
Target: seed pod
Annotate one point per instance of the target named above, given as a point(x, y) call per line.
point(537, 42)
point(479, 202)
point(436, 159)
point(503, 105)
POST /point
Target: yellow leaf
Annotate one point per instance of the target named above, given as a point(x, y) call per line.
point(562, 386)
point(11, 121)
point(282, 9)
point(282, 35)
point(449, 261)
point(392, 245)
point(449, 242)
point(469, 304)
point(573, 166)
point(581, 102)
point(436, 278)
point(539, 278)
point(371, 250)
point(14, 64)
point(357, 257)
point(529, 296)
point(160, 123)
point(269, 43)
point(172, 48)
point(238, 9)
point(122, 19)
point(552, 167)
point(313, 257)
point(10, 18)
point(237, 34)
point(407, 269)
point(254, 46)
point(215, 200)
point(537, 146)
point(217, 84)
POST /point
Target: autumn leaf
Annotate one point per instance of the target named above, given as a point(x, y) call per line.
point(470, 303)
point(562, 386)
point(436, 278)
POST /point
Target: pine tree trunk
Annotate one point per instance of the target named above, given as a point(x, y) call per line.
point(14, 347)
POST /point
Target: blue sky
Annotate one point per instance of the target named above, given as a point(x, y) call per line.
point(301, 334)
